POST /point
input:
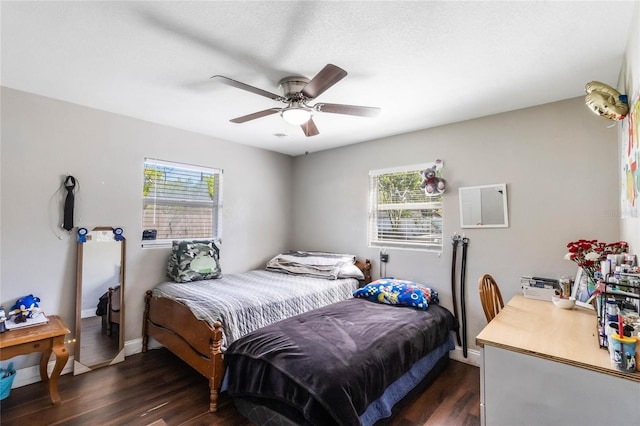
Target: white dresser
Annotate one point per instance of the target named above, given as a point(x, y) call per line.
point(542, 365)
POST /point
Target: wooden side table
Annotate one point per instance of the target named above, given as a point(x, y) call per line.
point(45, 338)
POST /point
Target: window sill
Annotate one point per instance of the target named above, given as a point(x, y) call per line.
point(151, 244)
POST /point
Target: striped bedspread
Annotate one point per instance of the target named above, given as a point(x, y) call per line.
point(247, 301)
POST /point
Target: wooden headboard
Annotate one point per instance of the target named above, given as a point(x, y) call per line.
point(365, 267)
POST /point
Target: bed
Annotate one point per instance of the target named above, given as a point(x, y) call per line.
point(109, 309)
point(347, 363)
point(197, 320)
point(113, 310)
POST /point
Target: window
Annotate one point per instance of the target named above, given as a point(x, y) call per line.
point(401, 215)
point(180, 201)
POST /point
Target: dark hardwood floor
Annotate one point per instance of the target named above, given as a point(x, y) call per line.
point(95, 346)
point(158, 388)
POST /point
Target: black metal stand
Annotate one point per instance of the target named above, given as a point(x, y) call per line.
point(463, 271)
point(620, 292)
point(455, 239)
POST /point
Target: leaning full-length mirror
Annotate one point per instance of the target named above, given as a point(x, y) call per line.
point(99, 298)
point(484, 206)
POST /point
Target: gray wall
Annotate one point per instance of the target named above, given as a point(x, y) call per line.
point(630, 83)
point(559, 162)
point(45, 139)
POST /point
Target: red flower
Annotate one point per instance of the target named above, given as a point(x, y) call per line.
point(588, 253)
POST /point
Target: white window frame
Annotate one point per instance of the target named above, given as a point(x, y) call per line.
point(416, 201)
point(151, 199)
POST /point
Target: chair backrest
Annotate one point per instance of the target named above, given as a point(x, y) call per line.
point(490, 296)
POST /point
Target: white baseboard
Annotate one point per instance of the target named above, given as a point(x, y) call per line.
point(29, 375)
point(132, 347)
point(88, 313)
point(473, 356)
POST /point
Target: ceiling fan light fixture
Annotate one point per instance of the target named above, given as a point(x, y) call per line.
point(297, 92)
point(296, 115)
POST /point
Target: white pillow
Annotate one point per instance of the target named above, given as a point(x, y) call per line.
point(350, 270)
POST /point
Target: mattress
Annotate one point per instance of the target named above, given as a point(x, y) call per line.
point(248, 301)
point(330, 364)
point(420, 376)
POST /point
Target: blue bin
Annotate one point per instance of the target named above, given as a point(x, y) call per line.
point(6, 380)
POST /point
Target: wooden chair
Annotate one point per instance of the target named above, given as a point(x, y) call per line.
point(490, 296)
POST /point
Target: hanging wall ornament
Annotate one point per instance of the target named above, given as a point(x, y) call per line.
point(82, 235)
point(432, 181)
point(606, 101)
point(118, 234)
point(69, 185)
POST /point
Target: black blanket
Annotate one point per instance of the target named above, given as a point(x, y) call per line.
point(329, 364)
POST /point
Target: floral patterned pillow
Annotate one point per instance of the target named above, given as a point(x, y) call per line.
point(399, 293)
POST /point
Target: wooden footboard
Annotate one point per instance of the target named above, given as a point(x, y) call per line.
point(173, 325)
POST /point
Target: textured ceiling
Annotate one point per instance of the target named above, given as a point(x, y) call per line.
point(424, 63)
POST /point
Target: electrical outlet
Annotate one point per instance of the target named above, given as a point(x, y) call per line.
point(384, 257)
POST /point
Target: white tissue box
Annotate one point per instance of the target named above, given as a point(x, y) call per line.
point(539, 293)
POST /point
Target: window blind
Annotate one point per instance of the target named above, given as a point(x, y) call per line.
point(401, 215)
point(180, 201)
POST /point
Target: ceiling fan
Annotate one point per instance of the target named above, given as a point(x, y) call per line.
point(297, 92)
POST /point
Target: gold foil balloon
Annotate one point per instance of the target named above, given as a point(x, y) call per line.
point(606, 101)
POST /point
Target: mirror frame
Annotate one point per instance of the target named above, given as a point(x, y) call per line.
point(79, 367)
point(500, 187)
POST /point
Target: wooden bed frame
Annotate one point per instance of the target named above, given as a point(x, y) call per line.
point(194, 341)
point(113, 314)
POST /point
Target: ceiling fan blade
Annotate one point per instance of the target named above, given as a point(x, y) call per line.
point(231, 82)
point(255, 115)
point(309, 128)
point(362, 111)
point(327, 77)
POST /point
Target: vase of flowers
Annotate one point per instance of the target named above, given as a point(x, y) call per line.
point(588, 254)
